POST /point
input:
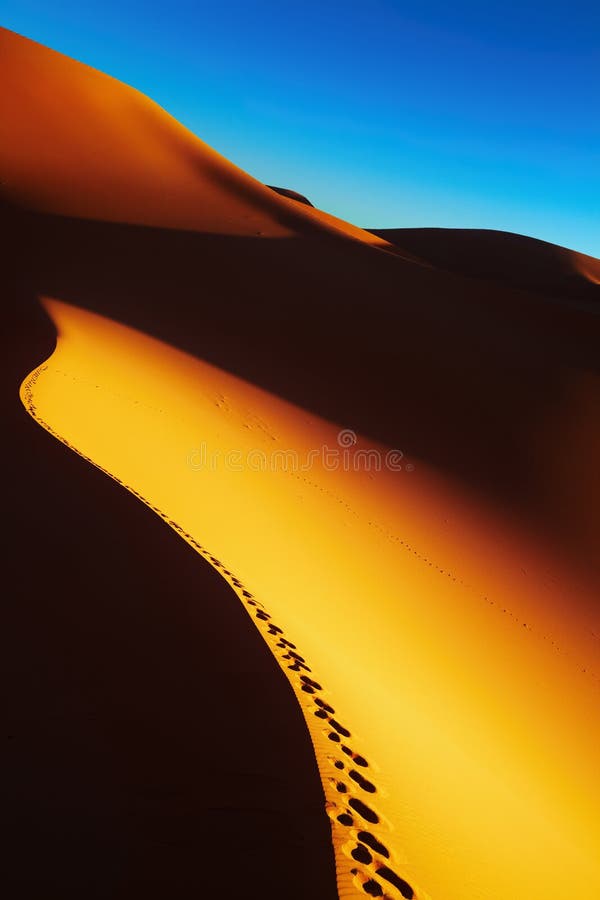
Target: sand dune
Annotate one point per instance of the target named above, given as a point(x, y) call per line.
point(435, 617)
point(499, 256)
point(117, 156)
point(440, 644)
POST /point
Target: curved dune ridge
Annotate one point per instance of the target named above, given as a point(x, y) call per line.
point(437, 660)
point(445, 657)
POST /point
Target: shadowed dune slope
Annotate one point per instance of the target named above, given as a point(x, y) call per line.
point(504, 258)
point(152, 746)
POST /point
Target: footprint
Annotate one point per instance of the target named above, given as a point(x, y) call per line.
point(371, 841)
point(362, 782)
point(285, 643)
point(339, 728)
point(297, 666)
point(359, 760)
point(345, 819)
point(372, 888)
point(314, 684)
point(399, 883)
point(361, 854)
point(363, 810)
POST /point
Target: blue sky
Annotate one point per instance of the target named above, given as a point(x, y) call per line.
point(387, 113)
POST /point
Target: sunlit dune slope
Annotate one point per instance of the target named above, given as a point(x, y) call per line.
point(503, 257)
point(447, 668)
point(81, 143)
point(444, 653)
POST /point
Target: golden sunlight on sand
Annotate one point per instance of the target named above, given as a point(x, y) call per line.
point(447, 668)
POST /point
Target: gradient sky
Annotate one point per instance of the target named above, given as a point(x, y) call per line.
point(387, 113)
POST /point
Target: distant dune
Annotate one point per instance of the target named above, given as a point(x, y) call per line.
point(505, 258)
point(240, 668)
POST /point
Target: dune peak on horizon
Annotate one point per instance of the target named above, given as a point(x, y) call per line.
point(83, 144)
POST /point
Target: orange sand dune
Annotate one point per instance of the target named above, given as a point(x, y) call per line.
point(118, 156)
point(435, 616)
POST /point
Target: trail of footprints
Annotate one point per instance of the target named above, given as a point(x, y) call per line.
point(371, 870)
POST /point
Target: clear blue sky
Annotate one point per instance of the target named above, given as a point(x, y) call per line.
point(476, 113)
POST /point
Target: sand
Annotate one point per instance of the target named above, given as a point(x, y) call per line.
point(505, 258)
point(436, 619)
